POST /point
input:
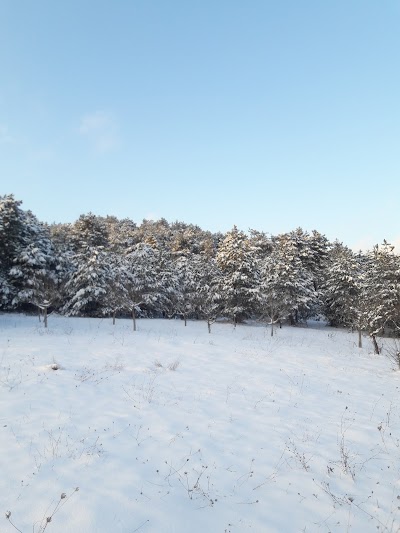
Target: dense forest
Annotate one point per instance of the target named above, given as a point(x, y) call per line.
point(103, 266)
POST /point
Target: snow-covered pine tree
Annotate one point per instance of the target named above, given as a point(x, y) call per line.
point(341, 286)
point(318, 246)
point(86, 289)
point(383, 289)
point(117, 281)
point(122, 234)
point(345, 302)
point(89, 231)
point(35, 279)
point(262, 243)
point(196, 277)
point(144, 287)
point(11, 239)
point(33, 276)
point(277, 276)
point(184, 294)
point(191, 240)
point(288, 280)
point(238, 285)
point(206, 276)
point(5, 291)
point(312, 250)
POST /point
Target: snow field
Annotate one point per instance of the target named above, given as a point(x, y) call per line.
point(172, 429)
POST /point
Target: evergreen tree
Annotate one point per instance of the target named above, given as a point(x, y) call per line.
point(89, 231)
point(117, 283)
point(11, 239)
point(276, 275)
point(208, 278)
point(236, 259)
point(122, 234)
point(345, 300)
point(383, 289)
point(34, 274)
point(312, 250)
point(5, 291)
point(143, 281)
point(86, 290)
point(183, 296)
point(287, 283)
point(28, 265)
point(342, 286)
point(195, 284)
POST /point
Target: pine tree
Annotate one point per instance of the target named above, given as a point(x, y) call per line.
point(86, 290)
point(195, 284)
point(312, 250)
point(117, 281)
point(89, 231)
point(206, 279)
point(342, 286)
point(122, 234)
point(11, 239)
point(345, 302)
point(183, 296)
point(236, 259)
point(143, 281)
point(28, 265)
point(383, 289)
point(275, 301)
point(287, 283)
point(34, 274)
point(5, 291)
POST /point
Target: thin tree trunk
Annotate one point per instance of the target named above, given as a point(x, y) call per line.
point(114, 313)
point(209, 325)
point(272, 329)
point(359, 338)
point(376, 347)
point(39, 313)
point(45, 317)
point(184, 318)
point(134, 318)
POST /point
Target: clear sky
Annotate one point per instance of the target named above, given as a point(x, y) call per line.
point(267, 114)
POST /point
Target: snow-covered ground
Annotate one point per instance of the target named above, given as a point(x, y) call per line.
point(172, 429)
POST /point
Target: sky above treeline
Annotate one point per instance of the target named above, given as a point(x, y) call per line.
point(267, 115)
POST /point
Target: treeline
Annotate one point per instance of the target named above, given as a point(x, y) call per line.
point(100, 266)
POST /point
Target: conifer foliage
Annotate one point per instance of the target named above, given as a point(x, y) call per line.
point(238, 283)
point(28, 263)
point(100, 266)
point(383, 289)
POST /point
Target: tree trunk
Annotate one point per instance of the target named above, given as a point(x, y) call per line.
point(45, 317)
point(376, 347)
point(134, 318)
point(272, 329)
point(114, 313)
point(185, 319)
point(359, 338)
point(39, 313)
point(209, 325)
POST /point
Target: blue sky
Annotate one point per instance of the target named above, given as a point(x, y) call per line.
point(264, 114)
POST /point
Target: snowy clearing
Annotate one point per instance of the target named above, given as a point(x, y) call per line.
point(172, 429)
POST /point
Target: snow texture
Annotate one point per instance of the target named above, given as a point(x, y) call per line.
point(172, 429)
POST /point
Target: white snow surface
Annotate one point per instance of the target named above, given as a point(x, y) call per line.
point(173, 429)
